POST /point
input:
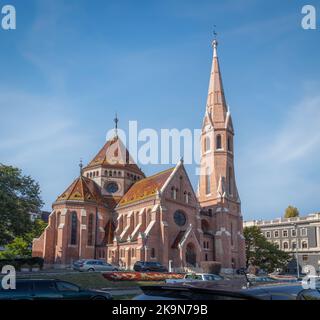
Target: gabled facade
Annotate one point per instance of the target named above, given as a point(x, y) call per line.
point(114, 212)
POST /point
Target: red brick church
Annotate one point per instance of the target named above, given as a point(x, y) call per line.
point(112, 211)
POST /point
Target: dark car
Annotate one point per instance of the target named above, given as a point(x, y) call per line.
point(43, 289)
point(145, 266)
point(228, 290)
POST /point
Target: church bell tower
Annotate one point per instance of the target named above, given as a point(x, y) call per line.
point(218, 193)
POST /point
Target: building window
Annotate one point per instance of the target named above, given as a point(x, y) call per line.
point(304, 245)
point(186, 197)
point(229, 144)
point(90, 230)
point(294, 245)
point(268, 234)
point(285, 233)
point(293, 233)
point(208, 182)
point(206, 257)
point(230, 180)
point(277, 245)
point(180, 218)
point(207, 144)
point(305, 257)
point(218, 142)
point(74, 227)
point(303, 232)
point(174, 193)
point(285, 245)
point(276, 234)
point(231, 231)
point(153, 253)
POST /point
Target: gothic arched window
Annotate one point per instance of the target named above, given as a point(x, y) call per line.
point(229, 144)
point(208, 187)
point(74, 227)
point(90, 230)
point(230, 180)
point(218, 142)
point(206, 144)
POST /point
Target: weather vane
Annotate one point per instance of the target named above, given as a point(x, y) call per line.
point(215, 32)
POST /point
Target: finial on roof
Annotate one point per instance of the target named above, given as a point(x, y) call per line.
point(215, 42)
point(116, 121)
point(81, 167)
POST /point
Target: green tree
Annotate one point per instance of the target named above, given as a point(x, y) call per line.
point(18, 248)
point(19, 195)
point(37, 229)
point(291, 212)
point(261, 253)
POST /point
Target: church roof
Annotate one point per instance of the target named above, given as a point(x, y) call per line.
point(82, 189)
point(146, 187)
point(216, 101)
point(114, 154)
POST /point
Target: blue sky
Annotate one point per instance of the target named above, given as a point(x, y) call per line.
point(70, 65)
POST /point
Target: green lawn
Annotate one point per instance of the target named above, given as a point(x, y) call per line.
point(90, 280)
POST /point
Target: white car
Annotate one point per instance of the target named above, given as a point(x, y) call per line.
point(93, 265)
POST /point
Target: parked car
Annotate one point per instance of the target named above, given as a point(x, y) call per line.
point(192, 277)
point(260, 279)
point(93, 265)
point(228, 290)
point(50, 289)
point(145, 266)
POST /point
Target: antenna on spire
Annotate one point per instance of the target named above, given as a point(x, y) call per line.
point(215, 41)
point(81, 167)
point(116, 121)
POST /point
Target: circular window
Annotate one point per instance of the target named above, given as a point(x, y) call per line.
point(112, 187)
point(180, 218)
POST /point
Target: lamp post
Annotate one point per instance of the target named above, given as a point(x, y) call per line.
point(296, 231)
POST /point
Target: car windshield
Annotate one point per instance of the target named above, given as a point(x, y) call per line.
point(66, 286)
point(211, 277)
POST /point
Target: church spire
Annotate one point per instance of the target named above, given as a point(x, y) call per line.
point(216, 102)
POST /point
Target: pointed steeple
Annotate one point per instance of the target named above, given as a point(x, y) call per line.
point(216, 102)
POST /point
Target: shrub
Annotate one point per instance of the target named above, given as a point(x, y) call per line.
point(19, 262)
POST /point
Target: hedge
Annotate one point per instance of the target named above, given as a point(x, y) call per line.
point(19, 262)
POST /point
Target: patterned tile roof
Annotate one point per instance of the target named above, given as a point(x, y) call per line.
point(82, 189)
point(146, 187)
point(114, 154)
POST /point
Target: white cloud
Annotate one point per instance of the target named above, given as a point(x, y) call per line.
point(281, 168)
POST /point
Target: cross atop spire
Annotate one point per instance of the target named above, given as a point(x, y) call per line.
point(80, 166)
point(215, 42)
point(116, 121)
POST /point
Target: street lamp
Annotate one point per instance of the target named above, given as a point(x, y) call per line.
point(296, 231)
